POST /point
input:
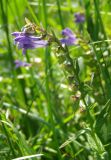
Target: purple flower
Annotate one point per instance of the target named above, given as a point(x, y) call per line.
point(21, 64)
point(79, 17)
point(27, 41)
point(70, 38)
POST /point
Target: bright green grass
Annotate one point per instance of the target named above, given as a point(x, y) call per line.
point(38, 117)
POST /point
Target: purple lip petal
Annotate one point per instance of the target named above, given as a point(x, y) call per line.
point(29, 46)
point(19, 45)
point(23, 39)
point(67, 32)
point(33, 45)
point(70, 38)
point(26, 39)
point(16, 34)
point(37, 44)
point(41, 42)
point(68, 41)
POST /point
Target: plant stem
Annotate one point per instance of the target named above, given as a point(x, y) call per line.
point(60, 14)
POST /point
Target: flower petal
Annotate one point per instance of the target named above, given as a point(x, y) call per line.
point(79, 17)
point(28, 41)
point(16, 34)
point(70, 38)
point(67, 32)
point(68, 41)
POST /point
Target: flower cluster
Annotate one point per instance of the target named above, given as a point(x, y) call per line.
point(28, 39)
point(32, 37)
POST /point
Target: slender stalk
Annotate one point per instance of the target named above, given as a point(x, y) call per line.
point(45, 13)
point(5, 22)
point(96, 4)
point(60, 14)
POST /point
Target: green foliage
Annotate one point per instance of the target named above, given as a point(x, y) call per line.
point(60, 108)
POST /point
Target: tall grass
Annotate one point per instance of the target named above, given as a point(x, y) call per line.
point(54, 110)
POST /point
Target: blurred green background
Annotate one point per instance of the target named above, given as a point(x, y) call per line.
point(39, 113)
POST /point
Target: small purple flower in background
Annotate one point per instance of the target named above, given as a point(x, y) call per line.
point(21, 64)
point(79, 17)
point(70, 38)
point(27, 41)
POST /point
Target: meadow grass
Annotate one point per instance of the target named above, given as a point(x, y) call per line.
point(59, 108)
